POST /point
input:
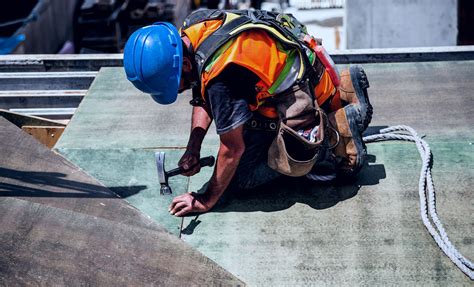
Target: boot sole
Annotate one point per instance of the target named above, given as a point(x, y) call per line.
point(361, 84)
point(355, 123)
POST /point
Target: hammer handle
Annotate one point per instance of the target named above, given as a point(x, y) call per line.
point(205, 161)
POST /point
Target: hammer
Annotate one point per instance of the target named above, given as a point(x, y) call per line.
point(164, 175)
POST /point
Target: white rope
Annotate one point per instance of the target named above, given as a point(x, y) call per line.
point(426, 187)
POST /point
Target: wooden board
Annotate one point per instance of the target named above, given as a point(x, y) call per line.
point(48, 246)
point(30, 171)
point(47, 135)
point(25, 120)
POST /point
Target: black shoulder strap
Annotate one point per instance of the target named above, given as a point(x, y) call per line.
point(216, 40)
point(212, 43)
point(201, 16)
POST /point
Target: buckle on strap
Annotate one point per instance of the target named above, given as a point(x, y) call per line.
point(261, 124)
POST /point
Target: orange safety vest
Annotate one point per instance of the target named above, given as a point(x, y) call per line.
point(257, 51)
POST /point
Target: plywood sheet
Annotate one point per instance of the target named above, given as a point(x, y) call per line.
point(295, 232)
point(47, 135)
point(48, 246)
point(132, 174)
point(115, 114)
point(30, 171)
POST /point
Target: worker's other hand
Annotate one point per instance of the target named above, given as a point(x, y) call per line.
point(188, 203)
point(190, 162)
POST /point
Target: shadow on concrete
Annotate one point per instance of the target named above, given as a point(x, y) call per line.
point(188, 230)
point(372, 130)
point(284, 192)
point(53, 184)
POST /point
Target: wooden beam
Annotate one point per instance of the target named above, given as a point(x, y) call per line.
point(26, 120)
point(47, 135)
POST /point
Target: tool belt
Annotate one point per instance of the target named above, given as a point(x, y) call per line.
point(291, 153)
point(259, 123)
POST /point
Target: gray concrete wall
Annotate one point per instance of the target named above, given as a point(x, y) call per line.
point(400, 23)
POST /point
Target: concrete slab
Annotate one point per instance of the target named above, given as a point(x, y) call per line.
point(47, 246)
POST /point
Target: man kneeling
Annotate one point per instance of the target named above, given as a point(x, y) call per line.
point(277, 100)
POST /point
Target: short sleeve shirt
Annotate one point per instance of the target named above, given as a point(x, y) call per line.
point(229, 96)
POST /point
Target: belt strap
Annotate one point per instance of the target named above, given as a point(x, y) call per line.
point(260, 124)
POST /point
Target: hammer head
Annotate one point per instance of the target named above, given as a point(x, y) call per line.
point(162, 177)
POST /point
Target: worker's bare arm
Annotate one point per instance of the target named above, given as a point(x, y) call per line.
point(231, 148)
point(201, 120)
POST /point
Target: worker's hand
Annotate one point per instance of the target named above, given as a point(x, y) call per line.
point(189, 203)
point(190, 162)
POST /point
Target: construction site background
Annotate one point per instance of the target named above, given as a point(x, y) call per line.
point(103, 26)
point(80, 201)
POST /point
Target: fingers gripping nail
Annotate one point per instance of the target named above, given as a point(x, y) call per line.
point(179, 206)
point(183, 211)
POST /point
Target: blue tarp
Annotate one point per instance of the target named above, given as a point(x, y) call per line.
point(7, 45)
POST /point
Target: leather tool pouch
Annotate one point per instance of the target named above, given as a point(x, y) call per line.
point(296, 106)
point(290, 153)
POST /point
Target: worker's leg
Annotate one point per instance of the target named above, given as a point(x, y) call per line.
point(347, 124)
point(253, 169)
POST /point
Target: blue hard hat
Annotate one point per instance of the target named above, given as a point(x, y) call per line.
point(153, 58)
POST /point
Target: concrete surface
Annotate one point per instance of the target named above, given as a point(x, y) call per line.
point(61, 227)
point(395, 23)
point(295, 232)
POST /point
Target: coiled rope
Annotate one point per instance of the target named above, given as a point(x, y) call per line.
point(426, 187)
